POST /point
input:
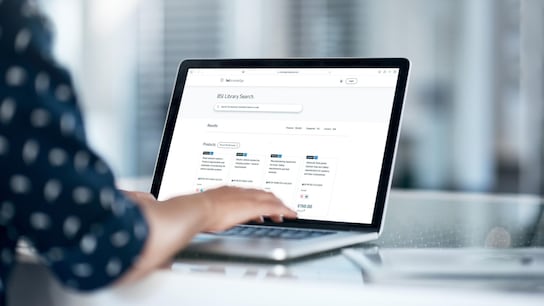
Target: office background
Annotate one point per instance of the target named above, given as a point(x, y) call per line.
point(474, 117)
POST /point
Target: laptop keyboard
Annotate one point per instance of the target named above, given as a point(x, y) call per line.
point(273, 232)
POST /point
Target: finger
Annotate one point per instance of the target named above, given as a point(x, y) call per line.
point(259, 219)
point(291, 214)
point(276, 218)
point(284, 211)
point(275, 208)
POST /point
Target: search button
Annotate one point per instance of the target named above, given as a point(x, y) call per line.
point(351, 81)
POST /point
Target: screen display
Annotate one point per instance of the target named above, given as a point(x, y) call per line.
point(314, 136)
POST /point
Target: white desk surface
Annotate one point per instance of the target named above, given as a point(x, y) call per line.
point(331, 279)
point(178, 288)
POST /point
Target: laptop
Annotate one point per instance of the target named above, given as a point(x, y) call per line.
point(321, 134)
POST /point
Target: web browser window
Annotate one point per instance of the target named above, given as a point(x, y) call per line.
point(315, 137)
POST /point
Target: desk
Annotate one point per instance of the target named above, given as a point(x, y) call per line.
point(414, 220)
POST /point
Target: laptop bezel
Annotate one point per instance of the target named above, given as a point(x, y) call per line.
point(392, 135)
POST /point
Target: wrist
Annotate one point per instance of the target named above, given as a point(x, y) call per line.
point(205, 205)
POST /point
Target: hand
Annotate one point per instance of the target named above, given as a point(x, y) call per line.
point(140, 197)
point(229, 206)
point(174, 222)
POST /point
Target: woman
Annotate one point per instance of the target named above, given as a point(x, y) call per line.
point(60, 196)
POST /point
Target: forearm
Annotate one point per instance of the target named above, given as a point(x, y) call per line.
point(172, 225)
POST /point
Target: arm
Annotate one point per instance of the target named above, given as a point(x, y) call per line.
point(174, 222)
point(62, 195)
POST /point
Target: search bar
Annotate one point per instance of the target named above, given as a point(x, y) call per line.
point(258, 108)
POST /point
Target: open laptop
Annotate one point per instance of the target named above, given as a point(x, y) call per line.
point(319, 133)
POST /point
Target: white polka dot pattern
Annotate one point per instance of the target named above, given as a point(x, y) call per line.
point(15, 76)
point(71, 226)
point(20, 184)
point(82, 195)
point(40, 221)
point(56, 193)
point(31, 148)
point(67, 123)
point(29, 9)
point(120, 239)
point(57, 157)
point(81, 160)
point(113, 268)
point(107, 197)
point(7, 211)
point(52, 190)
point(88, 244)
point(22, 40)
point(39, 118)
point(7, 110)
point(82, 270)
point(42, 81)
point(140, 230)
point(63, 93)
point(118, 208)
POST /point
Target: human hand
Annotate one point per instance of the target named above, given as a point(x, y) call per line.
point(140, 197)
point(223, 207)
point(174, 222)
point(229, 206)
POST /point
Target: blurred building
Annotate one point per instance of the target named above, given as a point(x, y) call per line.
point(474, 112)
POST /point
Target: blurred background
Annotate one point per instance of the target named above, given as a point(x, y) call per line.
point(474, 117)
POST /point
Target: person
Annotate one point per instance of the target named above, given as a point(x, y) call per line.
point(59, 195)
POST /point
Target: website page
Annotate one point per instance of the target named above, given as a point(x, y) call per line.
point(314, 137)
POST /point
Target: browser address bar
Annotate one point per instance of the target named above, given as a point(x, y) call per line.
point(260, 108)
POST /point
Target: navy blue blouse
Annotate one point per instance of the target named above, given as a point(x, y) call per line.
point(55, 192)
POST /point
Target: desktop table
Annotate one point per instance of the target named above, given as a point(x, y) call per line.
point(416, 220)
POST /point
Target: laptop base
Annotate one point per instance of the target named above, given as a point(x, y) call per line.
point(273, 248)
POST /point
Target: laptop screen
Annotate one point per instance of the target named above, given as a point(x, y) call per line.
point(315, 137)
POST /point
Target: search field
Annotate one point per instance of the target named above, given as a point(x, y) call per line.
point(264, 108)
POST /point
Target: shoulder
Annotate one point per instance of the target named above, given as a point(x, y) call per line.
point(23, 29)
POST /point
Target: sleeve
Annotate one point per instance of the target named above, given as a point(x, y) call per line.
point(61, 195)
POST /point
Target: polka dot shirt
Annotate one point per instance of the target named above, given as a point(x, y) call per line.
point(55, 192)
